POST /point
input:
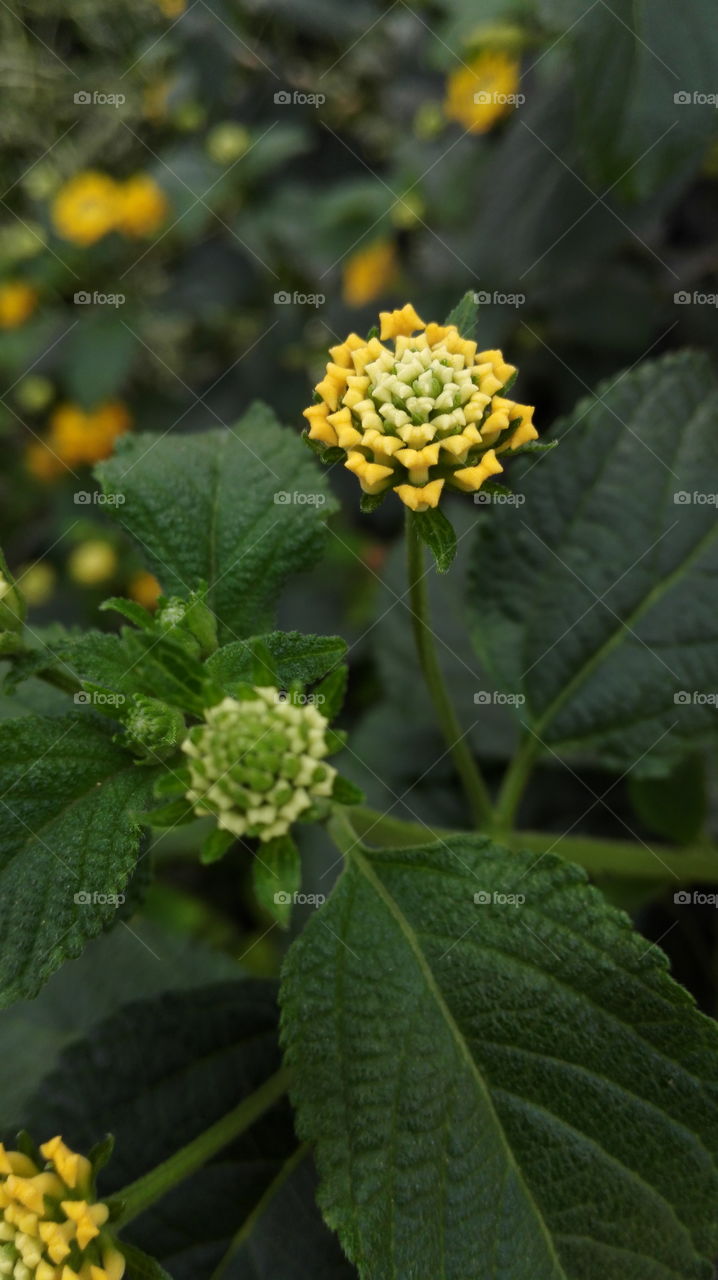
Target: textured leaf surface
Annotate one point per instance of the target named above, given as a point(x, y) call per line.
point(595, 598)
point(65, 829)
point(497, 1091)
point(226, 507)
point(292, 656)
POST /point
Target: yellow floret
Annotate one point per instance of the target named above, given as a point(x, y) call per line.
point(402, 321)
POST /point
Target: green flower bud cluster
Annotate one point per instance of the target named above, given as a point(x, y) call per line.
point(154, 729)
point(257, 763)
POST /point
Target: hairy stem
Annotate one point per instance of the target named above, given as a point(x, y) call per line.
point(473, 783)
point(513, 785)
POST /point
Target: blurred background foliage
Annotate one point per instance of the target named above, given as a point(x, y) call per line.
point(199, 197)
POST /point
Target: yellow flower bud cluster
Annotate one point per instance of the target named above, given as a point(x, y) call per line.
point(421, 415)
point(51, 1228)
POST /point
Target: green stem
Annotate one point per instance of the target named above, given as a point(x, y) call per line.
point(139, 1195)
point(250, 1222)
point(513, 785)
point(664, 864)
point(474, 786)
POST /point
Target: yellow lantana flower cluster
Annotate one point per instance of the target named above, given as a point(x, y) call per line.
point(17, 303)
point(482, 91)
point(51, 1228)
point(91, 204)
point(420, 415)
point(77, 437)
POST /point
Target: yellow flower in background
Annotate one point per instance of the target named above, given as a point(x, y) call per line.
point(37, 582)
point(51, 1226)
point(80, 437)
point(172, 8)
point(42, 463)
point(17, 303)
point(142, 207)
point(369, 272)
point(144, 588)
point(481, 92)
point(86, 207)
point(77, 438)
point(92, 563)
point(421, 414)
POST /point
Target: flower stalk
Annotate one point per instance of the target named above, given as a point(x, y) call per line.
point(475, 788)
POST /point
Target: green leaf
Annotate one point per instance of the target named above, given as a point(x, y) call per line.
point(136, 662)
point(499, 1075)
point(292, 657)
point(437, 531)
point(590, 595)
point(277, 876)
point(130, 609)
point(345, 792)
point(625, 56)
point(216, 844)
point(68, 842)
point(242, 509)
point(331, 691)
point(465, 315)
point(675, 807)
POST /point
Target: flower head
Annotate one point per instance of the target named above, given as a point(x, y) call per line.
point(51, 1226)
point(482, 91)
point(257, 763)
point(78, 437)
point(142, 207)
point(421, 414)
point(17, 303)
point(85, 208)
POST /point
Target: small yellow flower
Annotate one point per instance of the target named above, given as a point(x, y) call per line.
point(92, 563)
point(143, 206)
point(420, 415)
point(144, 588)
point(78, 437)
point(480, 93)
point(369, 272)
point(51, 1226)
point(42, 463)
point(86, 207)
point(172, 8)
point(17, 303)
